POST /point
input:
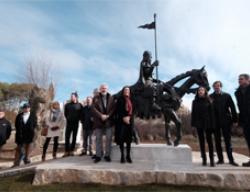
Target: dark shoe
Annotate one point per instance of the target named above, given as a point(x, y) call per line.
point(15, 165)
point(83, 153)
point(212, 163)
point(129, 160)
point(54, 156)
point(176, 142)
point(26, 161)
point(107, 158)
point(43, 158)
point(71, 153)
point(97, 159)
point(169, 142)
point(247, 164)
point(204, 163)
point(66, 154)
point(233, 163)
point(122, 160)
point(93, 157)
point(220, 162)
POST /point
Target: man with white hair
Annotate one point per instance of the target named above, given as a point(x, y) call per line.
point(103, 109)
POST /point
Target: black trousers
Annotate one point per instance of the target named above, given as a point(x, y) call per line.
point(71, 129)
point(87, 139)
point(128, 149)
point(46, 144)
point(226, 132)
point(246, 131)
point(202, 135)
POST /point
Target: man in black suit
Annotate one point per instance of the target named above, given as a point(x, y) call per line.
point(243, 100)
point(87, 122)
point(225, 116)
point(72, 113)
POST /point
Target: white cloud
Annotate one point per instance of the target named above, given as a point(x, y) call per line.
point(214, 33)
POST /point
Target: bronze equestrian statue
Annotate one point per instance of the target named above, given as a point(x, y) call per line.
point(153, 98)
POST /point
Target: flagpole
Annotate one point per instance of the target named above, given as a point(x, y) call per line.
point(156, 56)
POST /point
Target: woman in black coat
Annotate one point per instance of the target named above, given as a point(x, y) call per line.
point(124, 128)
point(202, 118)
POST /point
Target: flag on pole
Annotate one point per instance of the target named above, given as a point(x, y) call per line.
point(148, 26)
point(152, 26)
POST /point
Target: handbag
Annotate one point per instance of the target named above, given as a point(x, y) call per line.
point(55, 128)
point(44, 131)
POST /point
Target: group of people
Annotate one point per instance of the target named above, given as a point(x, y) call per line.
point(213, 116)
point(99, 115)
point(25, 125)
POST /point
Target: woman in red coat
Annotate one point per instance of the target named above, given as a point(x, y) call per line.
point(124, 132)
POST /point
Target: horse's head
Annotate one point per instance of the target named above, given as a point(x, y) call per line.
point(199, 77)
point(40, 98)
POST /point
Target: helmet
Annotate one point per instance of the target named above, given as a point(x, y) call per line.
point(147, 54)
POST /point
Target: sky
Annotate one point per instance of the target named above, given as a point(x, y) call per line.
point(92, 42)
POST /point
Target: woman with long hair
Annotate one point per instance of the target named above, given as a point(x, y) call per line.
point(202, 119)
point(124, 128)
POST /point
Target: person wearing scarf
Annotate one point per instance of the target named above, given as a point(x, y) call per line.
point(203, 120)
point(124, 130)
point(54, 122)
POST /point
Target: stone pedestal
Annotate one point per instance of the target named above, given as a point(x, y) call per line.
point(152, 164)
point(158, 153)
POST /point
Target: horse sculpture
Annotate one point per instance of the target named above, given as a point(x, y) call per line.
point(168, 96)
point(40, 100)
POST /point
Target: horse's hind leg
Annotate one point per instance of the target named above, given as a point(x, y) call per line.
point(167, 130)
point(177, 122)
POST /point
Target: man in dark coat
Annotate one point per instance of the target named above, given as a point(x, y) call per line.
point(72, 112)
point(5, 128)
point(243, 100)
point(87, 122)
point(25, 124)
point(103, 108)
point(225, 115)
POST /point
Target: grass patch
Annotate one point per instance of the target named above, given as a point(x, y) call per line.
point(23, 182)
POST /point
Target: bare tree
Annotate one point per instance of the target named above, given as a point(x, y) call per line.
point(39, 72)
